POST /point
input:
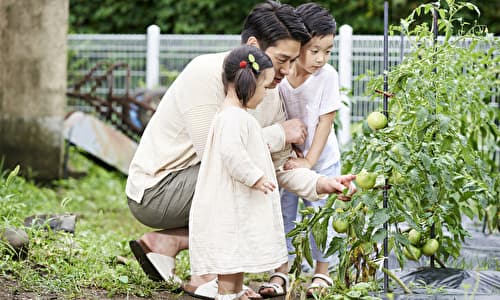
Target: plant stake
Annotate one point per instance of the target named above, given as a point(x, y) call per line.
point(434, 42)
point(386, 113)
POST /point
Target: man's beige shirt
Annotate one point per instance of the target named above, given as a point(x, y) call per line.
point(175, 137)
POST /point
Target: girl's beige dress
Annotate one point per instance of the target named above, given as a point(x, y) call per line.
point(232, 227)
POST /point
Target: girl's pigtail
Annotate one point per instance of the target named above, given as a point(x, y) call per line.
point(245, 84)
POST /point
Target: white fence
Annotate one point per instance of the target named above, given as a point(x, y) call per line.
point(164, 55)
point(155, 59)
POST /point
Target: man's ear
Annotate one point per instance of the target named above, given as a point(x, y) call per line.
point(252, 41)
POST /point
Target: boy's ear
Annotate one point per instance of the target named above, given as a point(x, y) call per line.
point(252, 41)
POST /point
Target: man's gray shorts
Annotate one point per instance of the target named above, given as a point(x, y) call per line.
point(166, 205)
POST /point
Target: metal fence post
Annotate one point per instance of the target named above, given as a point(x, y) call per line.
point(153, 57)
point(345, 78)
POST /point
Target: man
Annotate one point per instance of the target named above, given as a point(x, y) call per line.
point(163, 171)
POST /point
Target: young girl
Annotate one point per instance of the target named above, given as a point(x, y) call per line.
point(235, 219)
point(311, 93)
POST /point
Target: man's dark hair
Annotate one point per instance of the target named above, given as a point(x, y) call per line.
point(272, 21)
point(238, 69)
point(318, 21)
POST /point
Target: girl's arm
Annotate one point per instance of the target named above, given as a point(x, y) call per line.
point(236, 159)
point(318, 144)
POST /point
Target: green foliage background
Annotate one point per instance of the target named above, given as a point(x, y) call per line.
point(226, 17)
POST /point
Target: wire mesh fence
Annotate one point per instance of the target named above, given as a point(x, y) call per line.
point(176, 51)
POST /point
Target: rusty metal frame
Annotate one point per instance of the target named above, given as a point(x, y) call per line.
point(113, 108)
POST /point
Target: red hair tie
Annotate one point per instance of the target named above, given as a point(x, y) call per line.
point(243, 64)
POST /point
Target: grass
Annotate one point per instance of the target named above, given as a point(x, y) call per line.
point(97, 256)
point(67, 264)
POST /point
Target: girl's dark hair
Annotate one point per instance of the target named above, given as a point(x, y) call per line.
point(318, 21)
point(244, 77)
point(272, 21)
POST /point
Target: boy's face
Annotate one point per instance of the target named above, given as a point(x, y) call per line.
point(316, 53)
point(283, 55)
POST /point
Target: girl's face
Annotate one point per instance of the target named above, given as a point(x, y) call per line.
point(264, 82)
point(315, 54)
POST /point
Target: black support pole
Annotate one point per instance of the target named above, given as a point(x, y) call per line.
point(386, 113)
point(434, 41)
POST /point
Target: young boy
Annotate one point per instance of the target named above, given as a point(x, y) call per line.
point(311, 93)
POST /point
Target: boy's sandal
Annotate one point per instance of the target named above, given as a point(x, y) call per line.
point(279, 290)
point(315, 287)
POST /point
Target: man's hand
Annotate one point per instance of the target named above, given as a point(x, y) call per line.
point(337, 185)
point(293, 163)
point(295, 131)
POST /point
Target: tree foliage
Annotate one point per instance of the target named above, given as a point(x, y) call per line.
point(226, 17)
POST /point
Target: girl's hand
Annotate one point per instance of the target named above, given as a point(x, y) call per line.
point(264, 185)
point(294, 163)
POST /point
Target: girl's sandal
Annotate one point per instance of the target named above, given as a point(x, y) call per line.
point(230, 296)
point(278, 290)
point(317, 287)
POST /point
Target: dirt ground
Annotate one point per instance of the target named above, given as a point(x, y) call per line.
point(10, 290)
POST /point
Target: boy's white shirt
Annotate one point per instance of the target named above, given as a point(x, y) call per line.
point(319, 94)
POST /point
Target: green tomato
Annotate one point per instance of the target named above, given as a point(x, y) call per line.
point(340, 226)
point(412, 252)
point(366, 180)
point(414, 237)
point(396, 178)
point(397, 149)
point(430, 247)
point(376, 120)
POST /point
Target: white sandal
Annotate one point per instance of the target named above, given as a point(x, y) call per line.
point(279, 290)
point(325, 283)
point(230, 296)
point(165, 265)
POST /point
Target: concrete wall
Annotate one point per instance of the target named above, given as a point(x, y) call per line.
point(33, 37)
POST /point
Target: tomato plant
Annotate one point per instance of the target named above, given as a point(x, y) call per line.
point(436, 151)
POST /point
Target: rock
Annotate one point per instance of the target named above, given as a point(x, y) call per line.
point(64, 222)
point(18, 239)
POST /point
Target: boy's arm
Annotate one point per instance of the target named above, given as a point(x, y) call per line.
point(320, 137)
point(318, 144)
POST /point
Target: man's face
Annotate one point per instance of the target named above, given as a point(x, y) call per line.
point(283, 55)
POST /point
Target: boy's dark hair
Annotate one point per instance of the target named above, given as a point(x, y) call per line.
point(244, 76)
point(318, 21)
point(272, 21)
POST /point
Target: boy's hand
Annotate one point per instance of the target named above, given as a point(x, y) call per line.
point(294, 163)
point(264, 185)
